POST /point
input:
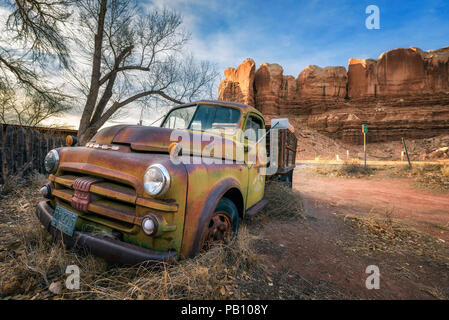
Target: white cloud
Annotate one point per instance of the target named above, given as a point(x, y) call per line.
point(321, 33)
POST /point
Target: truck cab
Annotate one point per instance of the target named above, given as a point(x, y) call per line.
point(138, 193)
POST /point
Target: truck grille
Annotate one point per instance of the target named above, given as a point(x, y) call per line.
point(109, 201)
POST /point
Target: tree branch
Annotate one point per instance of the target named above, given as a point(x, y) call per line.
point(117, 105)
point(120, 69)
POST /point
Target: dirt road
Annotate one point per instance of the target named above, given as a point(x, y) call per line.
point(327, 250)
point(380, 194)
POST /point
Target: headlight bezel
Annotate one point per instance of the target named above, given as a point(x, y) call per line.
point(54, 153)
point(166, 178)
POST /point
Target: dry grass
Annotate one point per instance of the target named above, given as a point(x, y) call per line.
point(383, 234)
point(284, 203)
point(445, 171)
point(212, 275)
point(10, 181)
point(430, 176)
point(408, 253)
point(346, 170)
point(30, 260)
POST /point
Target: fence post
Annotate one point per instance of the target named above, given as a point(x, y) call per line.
point(3, 155)
point(406, 152)
point(37, 139)
point(8, 147)
point(20, 146)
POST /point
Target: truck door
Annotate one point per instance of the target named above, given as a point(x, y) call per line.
point(256, 177)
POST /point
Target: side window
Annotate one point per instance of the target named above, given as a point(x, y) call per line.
point(252, 129)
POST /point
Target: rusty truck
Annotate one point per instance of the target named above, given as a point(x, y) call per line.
point(122, 197)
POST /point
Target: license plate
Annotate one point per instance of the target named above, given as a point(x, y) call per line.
point(64, 220)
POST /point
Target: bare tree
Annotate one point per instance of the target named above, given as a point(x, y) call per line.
point(33, 35)
point(39, 23)
point(135, 55)
point(17, 107)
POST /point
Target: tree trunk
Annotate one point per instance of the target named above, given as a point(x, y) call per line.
point(95, 77)
point(86, 136)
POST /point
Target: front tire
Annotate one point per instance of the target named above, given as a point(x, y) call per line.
point(223, 225)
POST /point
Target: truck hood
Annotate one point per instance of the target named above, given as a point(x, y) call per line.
point(156, 139)
point(139, 138)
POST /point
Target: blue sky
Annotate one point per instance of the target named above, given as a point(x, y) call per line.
point(298, 33)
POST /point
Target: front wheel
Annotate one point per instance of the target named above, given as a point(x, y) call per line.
point(223, 224)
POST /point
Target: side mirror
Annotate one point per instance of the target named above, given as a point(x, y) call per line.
point(281, 123)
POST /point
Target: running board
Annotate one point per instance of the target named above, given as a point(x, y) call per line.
point(256, 208)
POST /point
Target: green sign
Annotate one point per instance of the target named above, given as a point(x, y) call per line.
point(364, 128)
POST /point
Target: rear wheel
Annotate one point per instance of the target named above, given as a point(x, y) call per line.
point(288, 179)
point(223, 224)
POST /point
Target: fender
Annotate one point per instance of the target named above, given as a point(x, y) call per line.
point(198, 216)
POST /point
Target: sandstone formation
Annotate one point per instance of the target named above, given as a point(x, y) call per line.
point(269, 80)
point(362, 77)
point(239, 83)
point(403, 93)
point(326, 82)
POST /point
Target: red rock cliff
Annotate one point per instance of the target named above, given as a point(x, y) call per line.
point(405, 92)
point(239, 83)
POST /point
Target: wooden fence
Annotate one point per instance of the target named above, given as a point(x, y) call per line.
point(21, 145)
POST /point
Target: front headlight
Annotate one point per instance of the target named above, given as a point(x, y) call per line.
point(51, 161)
point(156, 180)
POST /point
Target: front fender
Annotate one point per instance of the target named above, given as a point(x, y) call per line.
point(202, 201)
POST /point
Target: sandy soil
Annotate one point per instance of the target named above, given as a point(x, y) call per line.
point(421, 209)
point(317, 249)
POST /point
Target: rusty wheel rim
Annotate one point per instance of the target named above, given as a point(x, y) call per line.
point(219, 230)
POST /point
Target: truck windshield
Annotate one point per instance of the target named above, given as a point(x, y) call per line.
point(204, 118)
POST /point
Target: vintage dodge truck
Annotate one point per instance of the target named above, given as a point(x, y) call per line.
point(122, 197)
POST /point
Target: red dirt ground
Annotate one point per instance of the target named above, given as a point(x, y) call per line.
point(421, 209)
point(310, 248)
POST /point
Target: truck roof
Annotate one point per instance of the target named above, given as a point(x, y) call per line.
point(243, 107)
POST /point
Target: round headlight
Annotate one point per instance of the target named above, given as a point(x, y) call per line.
point(51, 161)
point(149, 225)
point(156, 180)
